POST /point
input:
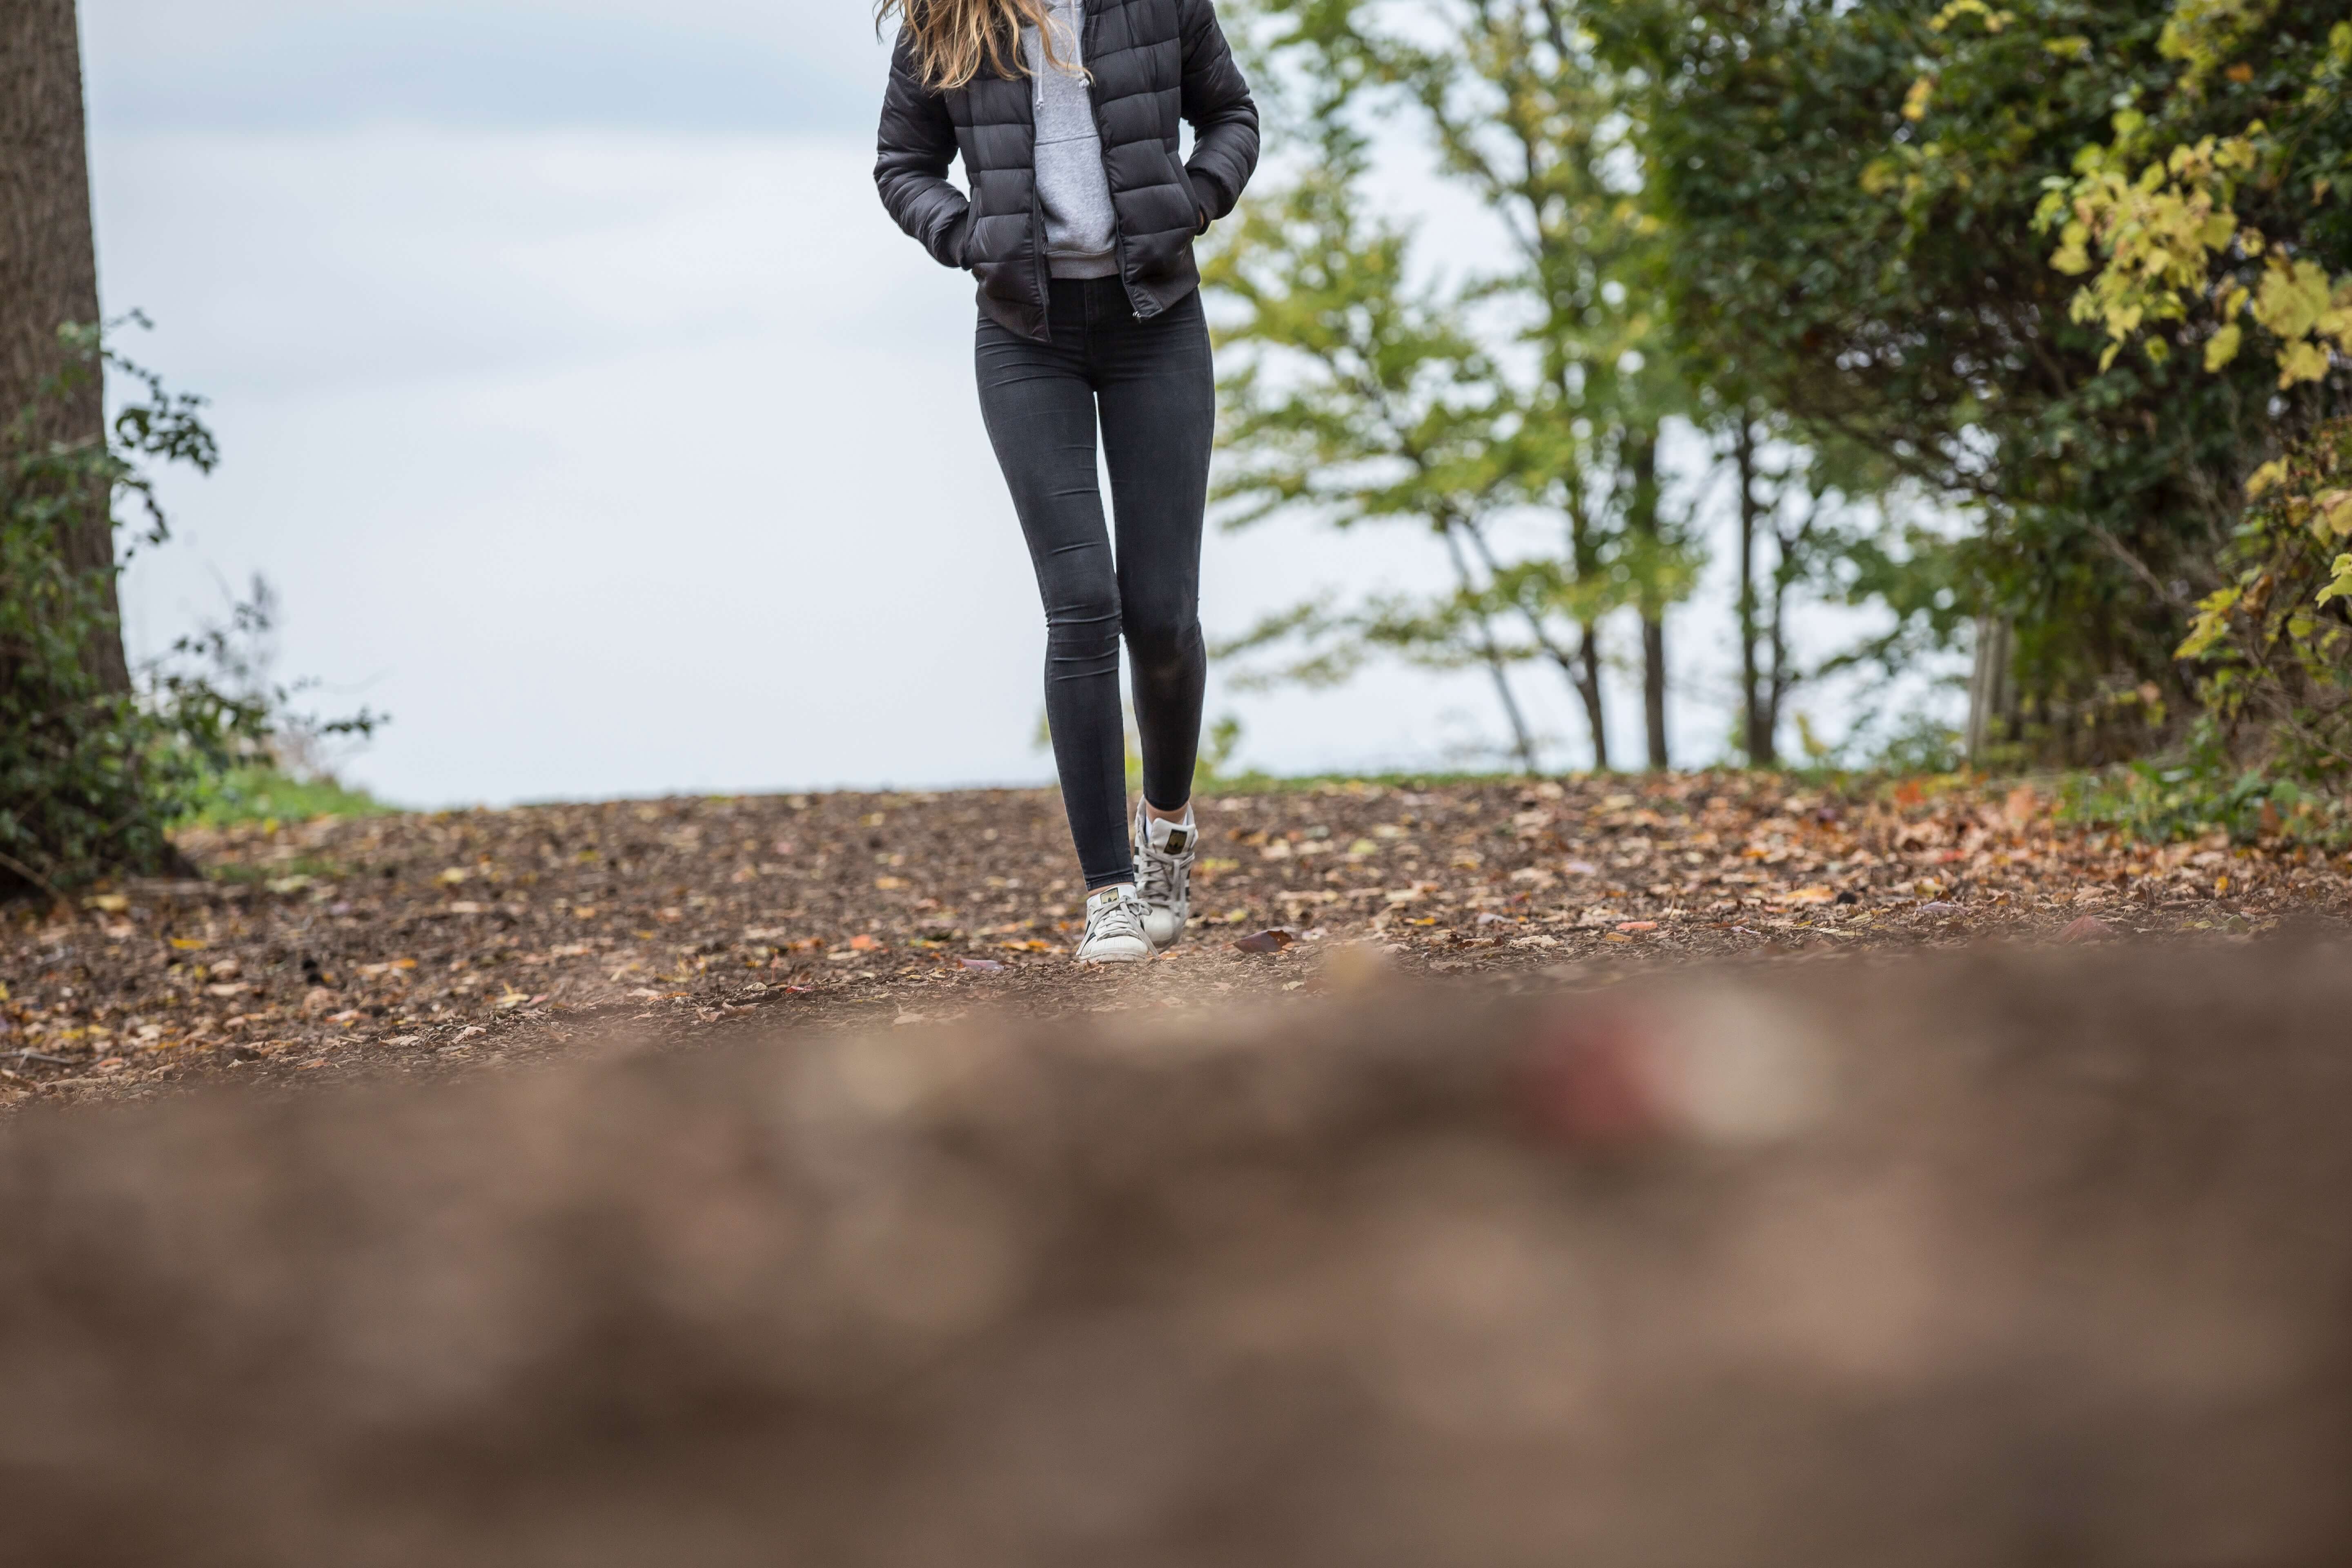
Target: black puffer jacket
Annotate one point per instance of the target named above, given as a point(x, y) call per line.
point(1152, 61)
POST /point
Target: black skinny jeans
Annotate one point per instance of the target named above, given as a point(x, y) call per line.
point(1151, 386)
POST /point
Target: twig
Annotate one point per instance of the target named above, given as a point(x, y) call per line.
point(38, 1056)
point(13, 864)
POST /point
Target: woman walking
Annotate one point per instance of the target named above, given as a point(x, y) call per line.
point(1079, 226)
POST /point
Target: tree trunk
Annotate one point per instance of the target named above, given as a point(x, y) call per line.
point(1587, 680)
point(1522, 739)
point(1574, 663)
point(48, 272)
point(1992, 701)
point(1759, 732)
point(1642, 517)
point(1583, 670)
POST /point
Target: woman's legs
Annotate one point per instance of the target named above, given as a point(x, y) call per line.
point(1156, 394)
point(1039, 403)
point(1158, 404)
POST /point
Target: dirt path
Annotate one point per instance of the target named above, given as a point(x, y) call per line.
point(1996, 1258)
point(428, 942)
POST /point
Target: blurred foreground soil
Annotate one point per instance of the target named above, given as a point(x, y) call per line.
point(429, 943)
point(2029, 1257)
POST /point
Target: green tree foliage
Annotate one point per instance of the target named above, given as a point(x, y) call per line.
point(1550, 384)
point(1851, 193)
point(1521, 113)
point(1362, 399)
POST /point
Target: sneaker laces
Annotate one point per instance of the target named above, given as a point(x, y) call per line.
point(1156, 875)
point(1115, 917)
point(1159, 873)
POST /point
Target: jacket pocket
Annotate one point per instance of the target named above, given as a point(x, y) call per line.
point(1193, 203)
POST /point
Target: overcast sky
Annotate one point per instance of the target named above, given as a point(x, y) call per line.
point(594, 420)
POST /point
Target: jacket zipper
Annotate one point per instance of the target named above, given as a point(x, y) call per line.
point(1087, 35)
point(1037, 236)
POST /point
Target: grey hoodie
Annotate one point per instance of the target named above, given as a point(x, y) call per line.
point(1081, 231)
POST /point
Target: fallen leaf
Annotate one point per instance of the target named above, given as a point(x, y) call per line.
point(985, 966)
point(1272, 940)
point(2090, 928)
point(111, 903)
point(862, 943)
point(1631, 926)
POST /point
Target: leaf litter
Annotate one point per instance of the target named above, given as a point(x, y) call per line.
point(423, 943)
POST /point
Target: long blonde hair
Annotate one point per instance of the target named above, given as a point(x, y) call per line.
point(954, 38)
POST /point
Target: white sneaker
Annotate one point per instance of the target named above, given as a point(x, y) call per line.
point(1115, 932)
point(1164, 852)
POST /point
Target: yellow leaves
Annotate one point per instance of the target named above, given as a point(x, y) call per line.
point(2302, 361)
point(1915, 101)
point(2210, 624)
point(2291, 298)
point(1994, 21)
point(2074, 48)
point(2308, 312)
point(2339, 582)
point(2201, 34)
point(2266, 479)
point(2073, 255)
point(2333, 512)
point(2222, 346)
point(2148, 246)
point(2160, 234)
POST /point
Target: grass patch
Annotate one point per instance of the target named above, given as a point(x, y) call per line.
point(261, 794)
point(2160, 804)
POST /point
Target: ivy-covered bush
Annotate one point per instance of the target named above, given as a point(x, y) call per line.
point(2275, 644)
point(90, 778)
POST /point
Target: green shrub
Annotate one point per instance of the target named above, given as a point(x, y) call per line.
point(2274, 646)
point(2206, 790)
point(90, 778)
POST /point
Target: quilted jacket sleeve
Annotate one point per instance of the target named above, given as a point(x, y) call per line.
point(1217, 100)
point(916, 145)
